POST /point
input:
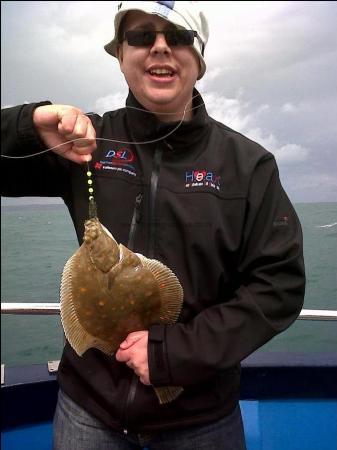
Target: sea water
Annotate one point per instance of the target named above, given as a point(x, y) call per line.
point(37, 240)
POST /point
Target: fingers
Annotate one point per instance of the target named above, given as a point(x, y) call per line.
point(76, 157)
point(77, 127)
point(131, 339)
point(66, 130)
point(145, 380)
point(141, 372)
point(133, 352)
point(123, 355)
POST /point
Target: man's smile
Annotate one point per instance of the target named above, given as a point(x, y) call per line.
point(161, 73)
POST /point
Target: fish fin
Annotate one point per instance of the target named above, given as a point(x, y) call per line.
point(170, 289)
point(168, 394)
point(79, 339)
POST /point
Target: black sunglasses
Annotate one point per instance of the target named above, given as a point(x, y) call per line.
point(146, 38)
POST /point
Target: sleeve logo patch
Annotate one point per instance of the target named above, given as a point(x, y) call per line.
point(281, 221)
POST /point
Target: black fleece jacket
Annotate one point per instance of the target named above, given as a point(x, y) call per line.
point(208, 203)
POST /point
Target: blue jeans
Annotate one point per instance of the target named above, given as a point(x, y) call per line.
point(75, 429)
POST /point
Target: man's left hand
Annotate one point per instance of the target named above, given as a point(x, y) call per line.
point(133, 351)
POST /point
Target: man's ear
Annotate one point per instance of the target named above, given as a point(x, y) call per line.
point(119, 54)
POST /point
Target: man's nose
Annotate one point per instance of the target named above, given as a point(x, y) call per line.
point(160, 45)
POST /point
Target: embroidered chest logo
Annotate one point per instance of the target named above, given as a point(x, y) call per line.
point(118, 160)
point(202, 178)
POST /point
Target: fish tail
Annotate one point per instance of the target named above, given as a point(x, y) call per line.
point(168, 393)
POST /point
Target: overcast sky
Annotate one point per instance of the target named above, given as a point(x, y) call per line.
point(271, 74)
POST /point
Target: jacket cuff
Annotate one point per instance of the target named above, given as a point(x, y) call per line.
point(157, 357)
point(26, 131)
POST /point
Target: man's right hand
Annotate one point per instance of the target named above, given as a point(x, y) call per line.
point(59, 124)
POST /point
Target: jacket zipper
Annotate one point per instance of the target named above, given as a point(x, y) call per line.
point(153, 192)
point(135, 220)
point(129, 399)
point(152, 232)
point(136, 217)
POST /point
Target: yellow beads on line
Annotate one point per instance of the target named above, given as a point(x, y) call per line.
point(90, 182)
point(92, 203)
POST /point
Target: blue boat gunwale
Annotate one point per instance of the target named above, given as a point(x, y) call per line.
point(29, 393)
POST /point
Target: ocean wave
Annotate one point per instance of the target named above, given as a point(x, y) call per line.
point(329, 225)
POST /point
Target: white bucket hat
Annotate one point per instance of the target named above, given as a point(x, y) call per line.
point(183, 14)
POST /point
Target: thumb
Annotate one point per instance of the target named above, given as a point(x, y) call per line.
point(131, 339)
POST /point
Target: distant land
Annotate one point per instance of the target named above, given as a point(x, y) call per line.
point(26, 201)
point(19, 201)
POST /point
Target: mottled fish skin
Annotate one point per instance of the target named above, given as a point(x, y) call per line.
point(103, 249)
point(113, 294)
point(107, 292)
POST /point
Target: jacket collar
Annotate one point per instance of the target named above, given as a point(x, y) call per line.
point(144, 126)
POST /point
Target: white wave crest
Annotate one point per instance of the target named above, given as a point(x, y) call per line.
point(329, 225)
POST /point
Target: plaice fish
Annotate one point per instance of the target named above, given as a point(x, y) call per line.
point(108, 291)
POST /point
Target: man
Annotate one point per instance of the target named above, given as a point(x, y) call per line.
point(196, 195)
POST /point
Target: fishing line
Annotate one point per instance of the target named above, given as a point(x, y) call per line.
point(115, 140)
point(91, 196)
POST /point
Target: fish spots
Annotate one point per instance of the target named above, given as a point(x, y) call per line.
point(148, 293)
point(114, 292)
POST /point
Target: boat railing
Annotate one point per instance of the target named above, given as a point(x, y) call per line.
point(54, 309)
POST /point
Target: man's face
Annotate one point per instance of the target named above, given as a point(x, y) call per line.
point(161, 77)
